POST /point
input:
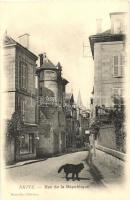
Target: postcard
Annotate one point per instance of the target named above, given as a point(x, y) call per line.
point(64, 99)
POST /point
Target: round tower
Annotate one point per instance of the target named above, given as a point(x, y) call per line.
point(48, 75)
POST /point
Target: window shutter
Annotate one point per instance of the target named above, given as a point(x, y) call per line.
point(20, 74)
point(23, 109)
point(116, 66)
point(122, 61)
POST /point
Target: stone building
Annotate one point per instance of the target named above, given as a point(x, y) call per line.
point(108, 50)
point(71, 121)
point(82, 121)
point(51, 120)
point(19, 71)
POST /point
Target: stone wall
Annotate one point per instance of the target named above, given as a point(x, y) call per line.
point(10, 104)
point(107, 137)
point(9, 153)
point(9, 68)
point(30, 107)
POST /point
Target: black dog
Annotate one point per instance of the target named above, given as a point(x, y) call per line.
point(71, 168)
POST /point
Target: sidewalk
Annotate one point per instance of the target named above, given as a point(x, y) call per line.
point(26, 162)
point(110, 167)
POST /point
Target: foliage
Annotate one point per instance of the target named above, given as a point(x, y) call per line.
point(95, 127)
point(115, 115)
point(14, 124)
point(118, 118)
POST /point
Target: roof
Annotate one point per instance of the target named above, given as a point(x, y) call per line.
point(68, 95)
point(105, 32)
point(118, 13)
point(48, 64)
point(65, 81)
point(79, 100)
point(10, 41)
point(105, 36)
point(69, 98)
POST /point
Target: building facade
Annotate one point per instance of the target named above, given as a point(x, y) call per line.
point(19, 69)
point(83, 122)
point(109, 54)
point(51, 123)
point(71, 121)
point(108, 50)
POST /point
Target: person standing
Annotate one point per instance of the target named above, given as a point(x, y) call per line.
point(89, 148)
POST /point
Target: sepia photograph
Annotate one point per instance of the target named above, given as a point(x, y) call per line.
point(64, 99)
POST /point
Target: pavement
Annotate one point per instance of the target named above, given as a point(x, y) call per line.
point(111, 168)
point(99, 174)
point(25, 162)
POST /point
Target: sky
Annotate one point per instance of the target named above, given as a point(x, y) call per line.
point(59, 28)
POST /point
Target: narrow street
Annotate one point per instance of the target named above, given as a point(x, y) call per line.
point(46, 172)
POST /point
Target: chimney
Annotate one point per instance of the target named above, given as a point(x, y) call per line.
point(41, 59)
point(24, 40)
point(118, 22)
point(99, 25)
point(45, 57)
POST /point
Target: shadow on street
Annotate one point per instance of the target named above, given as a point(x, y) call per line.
point(81, 178)
point(96, 174)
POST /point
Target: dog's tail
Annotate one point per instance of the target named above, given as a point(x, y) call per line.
point(60, 169)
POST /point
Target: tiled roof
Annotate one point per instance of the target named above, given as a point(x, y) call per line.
point(48, 64)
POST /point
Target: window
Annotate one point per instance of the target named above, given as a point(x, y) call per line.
point(118, 65)
point(23, 75)
point(118, 98)
point(118, 92)
point(23, 109)
point(26, 143)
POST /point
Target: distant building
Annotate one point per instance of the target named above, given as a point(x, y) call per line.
point(71, 120)
point(51, 122)
point(83, 121)
point(19, 69)
point(108, 50)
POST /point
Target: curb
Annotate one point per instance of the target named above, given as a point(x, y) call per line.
point(25, 163)
point(112, 152)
